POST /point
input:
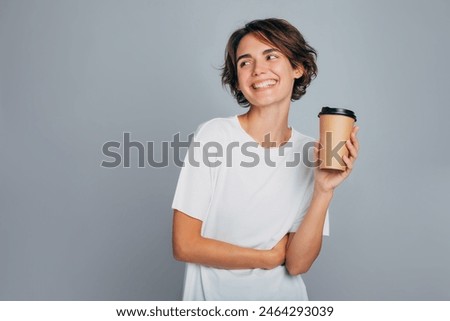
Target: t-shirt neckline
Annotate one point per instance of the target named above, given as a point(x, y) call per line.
point(290, 140)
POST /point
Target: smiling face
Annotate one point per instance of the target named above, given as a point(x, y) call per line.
point(265, 75)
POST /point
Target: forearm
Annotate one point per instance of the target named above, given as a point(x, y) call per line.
point(306, 243)
point(223, 255)
point(190, 246)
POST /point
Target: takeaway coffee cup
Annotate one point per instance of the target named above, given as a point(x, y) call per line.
point(336, 125)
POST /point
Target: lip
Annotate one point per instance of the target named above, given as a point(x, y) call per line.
point(261, 82)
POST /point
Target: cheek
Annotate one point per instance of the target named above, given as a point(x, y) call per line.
point(288, 71)
point(242, 78)
point(241, 75)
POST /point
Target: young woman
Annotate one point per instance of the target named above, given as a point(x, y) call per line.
point(248, 215)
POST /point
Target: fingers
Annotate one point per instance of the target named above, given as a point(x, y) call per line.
point(353, 137)
point(353, 143)
point(349, 162)
point(353, 148)
point(282, 243)
point(316, 154)
point(316, 149)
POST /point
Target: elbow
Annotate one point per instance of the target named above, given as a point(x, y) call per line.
point(183, 249)
point(297, 269)
point(180, 252)
point(300, 263)
point(177, 255)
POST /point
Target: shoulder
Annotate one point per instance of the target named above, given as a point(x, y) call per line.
point(302, 140)
point(304, 146)
point(216, 129)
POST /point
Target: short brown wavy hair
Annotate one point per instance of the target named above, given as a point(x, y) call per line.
point(283, 36)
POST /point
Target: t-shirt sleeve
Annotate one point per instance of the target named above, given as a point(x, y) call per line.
point(194, 187)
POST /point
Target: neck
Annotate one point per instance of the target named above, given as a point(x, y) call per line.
point(260, 122)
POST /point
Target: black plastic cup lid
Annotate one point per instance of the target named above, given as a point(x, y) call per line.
point(337, 111)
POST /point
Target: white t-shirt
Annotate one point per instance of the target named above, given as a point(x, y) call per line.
point(245, 205)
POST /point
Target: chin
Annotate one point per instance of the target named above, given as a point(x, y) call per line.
point(264, 102)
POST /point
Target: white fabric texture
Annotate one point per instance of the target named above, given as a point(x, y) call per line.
point(248, 206)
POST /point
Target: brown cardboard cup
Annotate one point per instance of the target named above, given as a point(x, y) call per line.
point(336, 125)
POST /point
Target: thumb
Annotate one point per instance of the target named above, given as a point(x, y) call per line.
point(316, 154)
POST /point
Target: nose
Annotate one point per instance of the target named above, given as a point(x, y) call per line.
point(259, 67)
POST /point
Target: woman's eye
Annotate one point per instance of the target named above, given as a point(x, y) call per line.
point(271, 57)
point(244, 63)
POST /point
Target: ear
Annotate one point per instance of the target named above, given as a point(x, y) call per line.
point(298, 72)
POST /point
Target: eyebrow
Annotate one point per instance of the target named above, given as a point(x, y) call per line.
point(265, 52)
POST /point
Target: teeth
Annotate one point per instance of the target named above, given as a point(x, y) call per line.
point(263, 84)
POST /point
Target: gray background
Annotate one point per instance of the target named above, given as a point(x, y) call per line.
point(76, 74)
